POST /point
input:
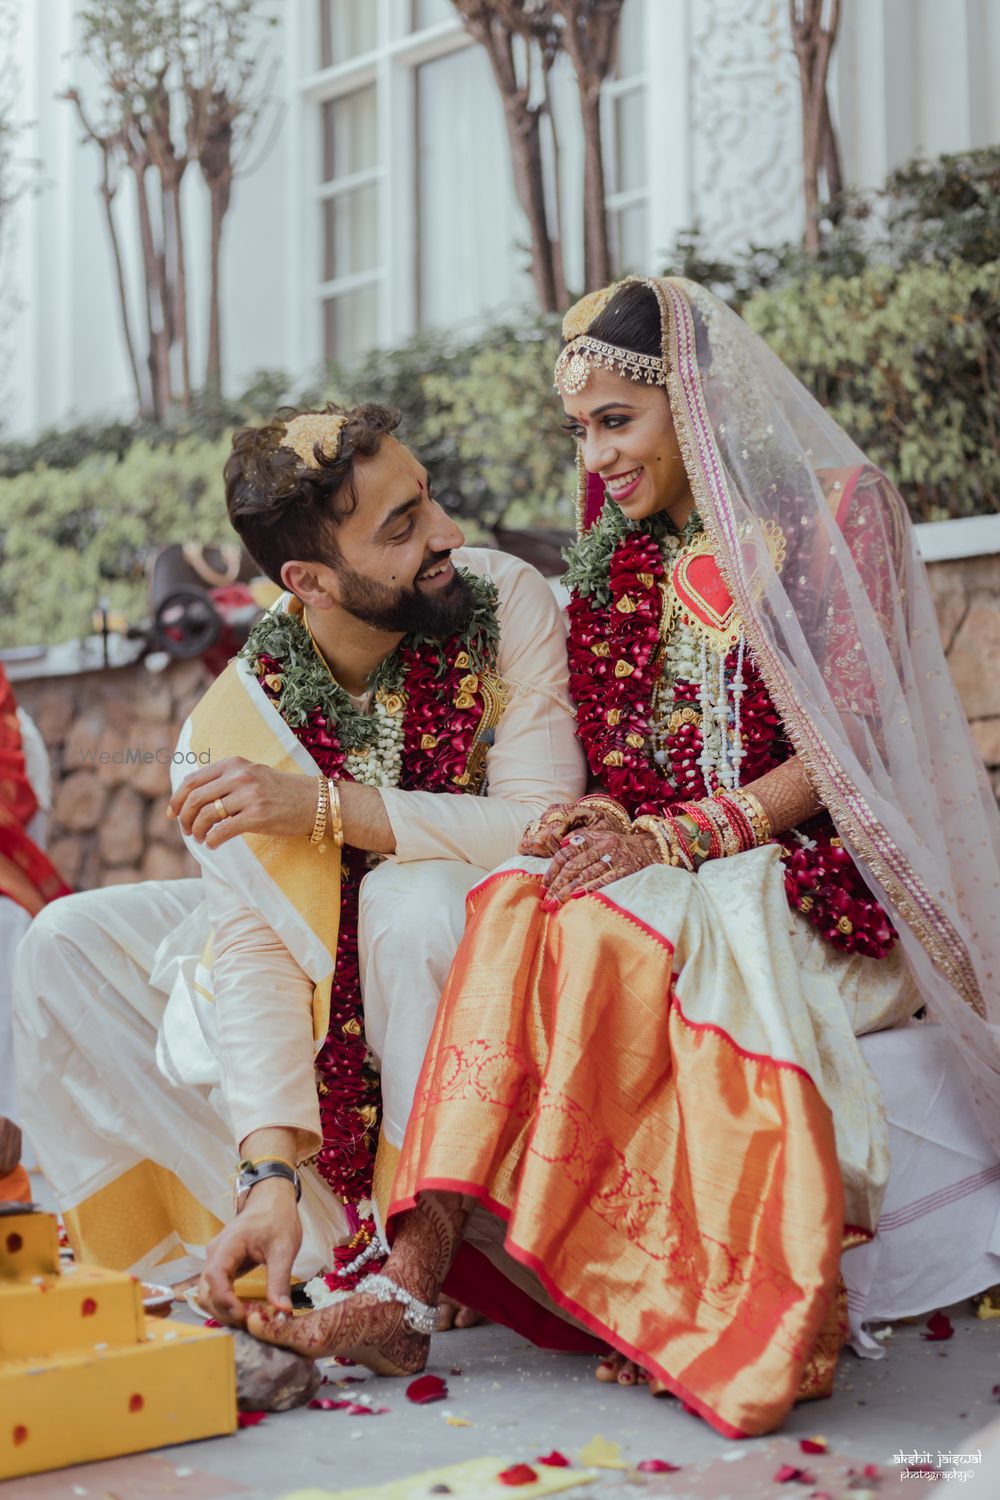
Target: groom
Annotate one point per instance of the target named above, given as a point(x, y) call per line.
point(393, 724)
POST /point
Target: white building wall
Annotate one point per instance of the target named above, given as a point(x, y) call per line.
point(714, 93)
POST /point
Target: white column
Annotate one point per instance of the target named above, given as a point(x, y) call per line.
point(668, 115)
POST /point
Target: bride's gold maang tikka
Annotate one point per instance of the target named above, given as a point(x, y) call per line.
point(581, 353)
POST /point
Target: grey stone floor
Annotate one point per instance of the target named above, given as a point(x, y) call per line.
point(520, 1403)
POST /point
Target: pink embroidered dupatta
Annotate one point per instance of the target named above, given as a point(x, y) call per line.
point(846, 638)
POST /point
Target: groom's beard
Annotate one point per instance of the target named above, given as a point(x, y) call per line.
point(410, 611)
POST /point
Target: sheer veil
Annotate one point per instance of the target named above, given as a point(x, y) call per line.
point(821, 560)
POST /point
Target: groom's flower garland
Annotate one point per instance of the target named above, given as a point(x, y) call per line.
point(644, 749)
point(431, 695)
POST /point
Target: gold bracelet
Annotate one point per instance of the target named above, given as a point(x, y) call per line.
point(756, 814)
point(611, 807)
point(336, 814)
point(322, 811)
point(667, 845)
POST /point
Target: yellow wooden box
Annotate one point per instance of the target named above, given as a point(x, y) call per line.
point(29, 1245)
point(81, 1308)
point(177, 1386)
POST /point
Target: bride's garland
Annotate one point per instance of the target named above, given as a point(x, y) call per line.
point(644, 745)
point(434, 704)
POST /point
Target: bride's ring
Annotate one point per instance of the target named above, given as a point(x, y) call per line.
point(576, 838)
point(220, 809)
point(606, 859)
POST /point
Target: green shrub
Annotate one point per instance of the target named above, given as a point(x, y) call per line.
point(81, 512)
point(71, 536)
point(908, 362)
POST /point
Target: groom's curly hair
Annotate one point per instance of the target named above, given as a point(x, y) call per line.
point(283, 510)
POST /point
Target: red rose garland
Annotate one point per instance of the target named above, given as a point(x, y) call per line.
point(615, 654)
point(444, 708)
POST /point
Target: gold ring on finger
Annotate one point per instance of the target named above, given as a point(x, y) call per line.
point(220, 809)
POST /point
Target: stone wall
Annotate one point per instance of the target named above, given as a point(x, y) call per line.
point(108, 823)
point(967, 595)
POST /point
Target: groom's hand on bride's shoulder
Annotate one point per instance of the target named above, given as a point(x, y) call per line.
point(267, 1232)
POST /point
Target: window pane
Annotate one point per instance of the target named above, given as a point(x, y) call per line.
point(631, 58)
point(350, 232)
point(346, 29)
point(350, 134)
point(630, 237)
point(471, 234)
point(630, 141)
point(350, 326)
point(431, 13)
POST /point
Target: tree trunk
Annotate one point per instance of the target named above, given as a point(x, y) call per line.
point(590, 28)
point(596, 244)
point(524, 134)
point(832, 167)
point(219, 194)
point(557, 240)
point(813, 43)
point(143, 395)
point(109, 145)
point(181, 332)
point(159, 349)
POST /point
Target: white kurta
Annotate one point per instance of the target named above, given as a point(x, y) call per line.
point(121, 1073)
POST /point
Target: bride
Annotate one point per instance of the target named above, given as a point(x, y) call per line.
point(644, 1108)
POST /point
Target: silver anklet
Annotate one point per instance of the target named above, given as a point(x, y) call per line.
point(418, 1317)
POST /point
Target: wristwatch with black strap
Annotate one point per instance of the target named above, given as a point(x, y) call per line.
point(249, 1173)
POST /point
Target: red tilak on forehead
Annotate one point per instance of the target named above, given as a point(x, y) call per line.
point(420, 485)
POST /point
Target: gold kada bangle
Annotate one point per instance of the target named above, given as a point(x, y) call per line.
point(669, 852)
point(756, 814)
point(612, 808)
point(322, 811)
point(336, 814)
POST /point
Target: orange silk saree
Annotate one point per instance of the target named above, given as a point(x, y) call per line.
point(640, 1087)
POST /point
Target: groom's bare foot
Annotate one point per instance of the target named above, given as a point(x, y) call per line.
point(361, 1329)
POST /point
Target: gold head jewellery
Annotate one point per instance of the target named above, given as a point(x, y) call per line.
point(583, 354)
point(314, 430)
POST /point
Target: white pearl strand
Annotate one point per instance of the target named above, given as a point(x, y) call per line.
point(722, 749)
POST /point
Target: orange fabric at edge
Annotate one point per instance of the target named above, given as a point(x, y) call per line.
point(15, 1187)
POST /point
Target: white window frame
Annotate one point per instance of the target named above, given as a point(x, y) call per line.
point(391, 66)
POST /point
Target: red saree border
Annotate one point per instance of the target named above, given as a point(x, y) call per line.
point(532, 1263)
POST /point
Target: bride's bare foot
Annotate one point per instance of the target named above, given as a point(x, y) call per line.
point(456, 1315)
point(361, 1329)
point(616, 1368)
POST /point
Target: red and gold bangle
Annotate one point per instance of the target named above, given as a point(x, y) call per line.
point(711, 844)
point(728, 836)
point(666, 838)
point(691, 841)
point(741, 830)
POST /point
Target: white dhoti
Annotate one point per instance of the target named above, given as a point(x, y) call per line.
point(93, 976)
